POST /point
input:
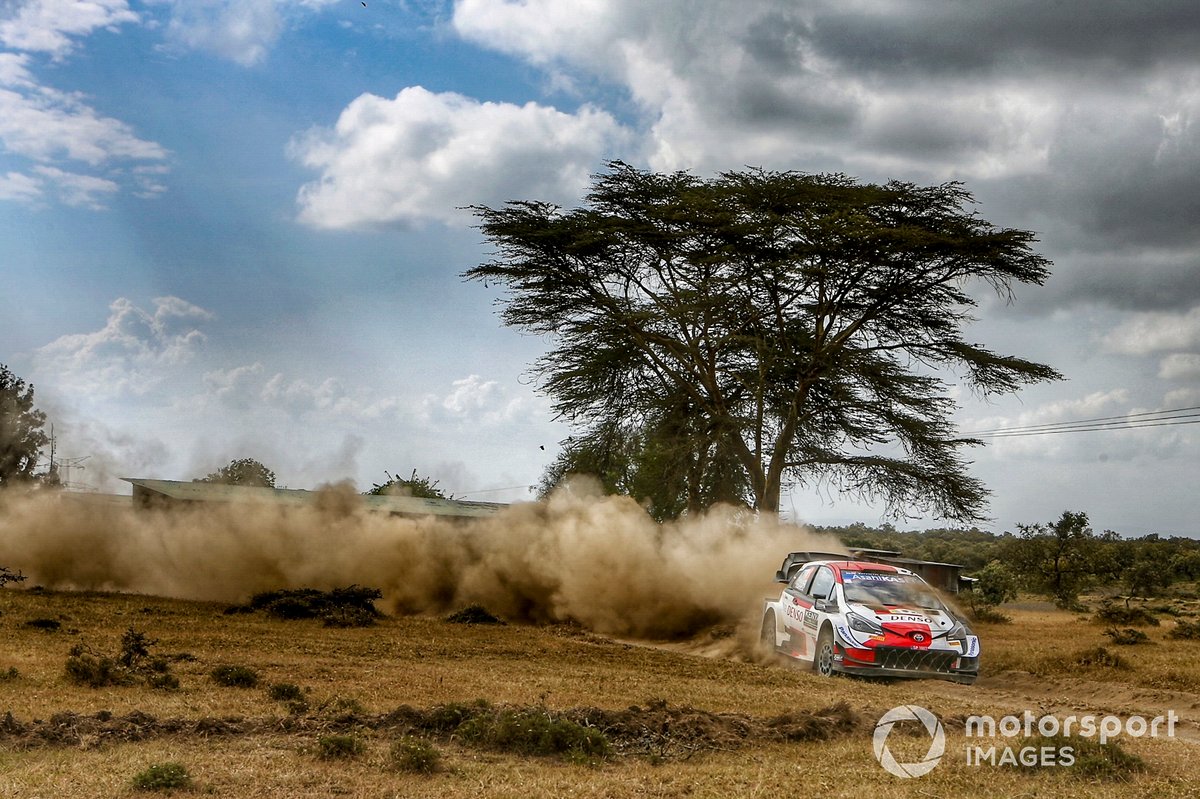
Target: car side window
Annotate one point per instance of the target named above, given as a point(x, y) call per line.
point(822, 584)
point(800, 581)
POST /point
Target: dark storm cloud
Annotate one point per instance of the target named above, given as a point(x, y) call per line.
point(940, 37)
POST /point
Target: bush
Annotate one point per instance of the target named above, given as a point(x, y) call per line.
point(1185, 630)
point(352, 606)
point(235, 676)
point(95, 670)
point(989, 615)
point(1111, 613)
point(162, 777)
point(1127, 637)
point(473, 614)
point(338, 747)
point(415, 755)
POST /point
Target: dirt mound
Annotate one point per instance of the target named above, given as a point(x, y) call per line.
point(657, 730)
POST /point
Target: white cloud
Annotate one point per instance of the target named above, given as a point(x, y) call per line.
point(49, 26)
point(19, 187)
point(134, 352)
point(242, 31)
point(420, 156)
point(1158, 331)
point(78, 190)
point(246, 388)
point(1180, 366)
point(48, 126)
point(473, 400)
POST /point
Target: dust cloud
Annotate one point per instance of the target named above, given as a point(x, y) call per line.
point(595, 560)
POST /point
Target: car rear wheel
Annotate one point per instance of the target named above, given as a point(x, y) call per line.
point(766, 638)
point(823, 660)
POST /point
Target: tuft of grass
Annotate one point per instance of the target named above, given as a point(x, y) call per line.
point(1099, 657)
point(534, 732)
point(234, 676)
point(49, 625)
point(1093, 761)
point(339, 747)
point(415, 755)
point(162, 777)
point(285, 692)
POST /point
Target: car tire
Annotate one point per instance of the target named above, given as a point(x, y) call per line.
point(766, 636)
point(823, 657)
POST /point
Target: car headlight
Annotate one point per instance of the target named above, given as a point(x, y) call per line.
point(863, 625)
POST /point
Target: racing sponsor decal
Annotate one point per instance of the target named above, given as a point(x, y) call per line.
point(874, 577)
point(972, 646)
point(810, 619)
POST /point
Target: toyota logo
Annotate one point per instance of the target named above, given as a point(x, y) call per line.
point(918, 637)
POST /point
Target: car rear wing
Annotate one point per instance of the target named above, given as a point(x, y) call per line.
point(795, 560)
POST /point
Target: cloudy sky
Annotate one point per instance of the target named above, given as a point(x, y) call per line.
point(233, 229)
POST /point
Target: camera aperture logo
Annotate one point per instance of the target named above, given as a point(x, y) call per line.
point(937, 746)
point(1021, 730)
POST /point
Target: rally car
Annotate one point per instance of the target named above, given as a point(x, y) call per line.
point(872, 619)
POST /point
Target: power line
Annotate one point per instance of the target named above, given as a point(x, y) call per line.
point(1131, 421)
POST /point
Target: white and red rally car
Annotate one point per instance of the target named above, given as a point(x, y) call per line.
point(872, 619)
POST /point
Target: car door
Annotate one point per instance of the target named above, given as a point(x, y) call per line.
point(820, 590)
point(796, 603)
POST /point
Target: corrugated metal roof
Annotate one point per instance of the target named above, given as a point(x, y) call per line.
point(217, 492)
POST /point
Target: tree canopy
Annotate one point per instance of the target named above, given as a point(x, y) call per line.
point(243, 472)
point(808, 322)
point(21, 434)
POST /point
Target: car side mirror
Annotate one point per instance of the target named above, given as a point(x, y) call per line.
point(826, 605)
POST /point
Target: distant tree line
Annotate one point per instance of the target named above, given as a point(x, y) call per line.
point(1058, 560)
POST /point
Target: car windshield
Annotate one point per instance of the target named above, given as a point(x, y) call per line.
point(875, 588)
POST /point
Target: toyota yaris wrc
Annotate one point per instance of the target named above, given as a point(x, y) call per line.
point(870, 619)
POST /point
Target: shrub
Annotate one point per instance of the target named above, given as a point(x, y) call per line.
point(1111, 613)
point(415, 755)
point(473, 614)
point(1185, 630)
point(349, 606)
point(10, 674)
point(1127, 637)
point(162, 777)
point(95, 670)
point(235, 676)
point(337, 747)
point(988, 614)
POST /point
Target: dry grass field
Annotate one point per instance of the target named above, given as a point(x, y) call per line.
point(697, 718)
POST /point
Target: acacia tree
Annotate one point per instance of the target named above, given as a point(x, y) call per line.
point(807, 319)
point(21, 434)
point(1058, 559)
point(242, 472)
point(672, 464)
